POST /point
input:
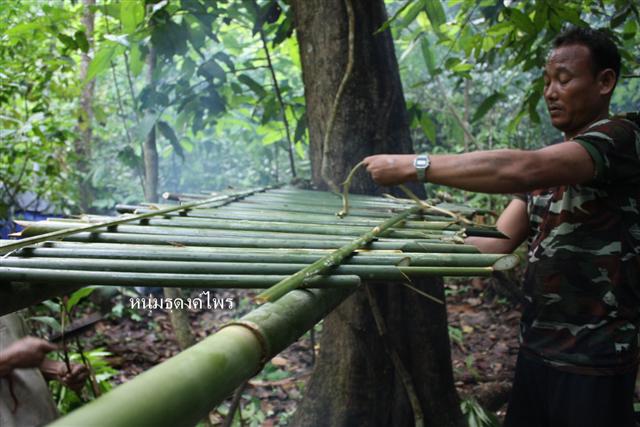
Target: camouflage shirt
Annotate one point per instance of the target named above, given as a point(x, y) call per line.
point(583, 277)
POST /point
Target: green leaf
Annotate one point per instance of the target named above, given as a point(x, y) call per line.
point(435, 13)
point(131, 14)
point(136, 60)
point(388, 22)
point(146, 124)
point(428, 56)
point(211, 70)
point(49, 321)
point(301, 128)
point(487, 105)
point(100, 62)
point(81, 41)
point(253, 85)
point(69, 42)
point(75, 297)
point(428, 127)
point(521, 20)
point(167, 132)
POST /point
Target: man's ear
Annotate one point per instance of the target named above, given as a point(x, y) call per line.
point(607, 80)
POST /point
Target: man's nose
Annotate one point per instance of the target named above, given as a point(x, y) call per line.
point(550, 92)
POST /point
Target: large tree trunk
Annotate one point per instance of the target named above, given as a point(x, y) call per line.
point(355, 381)
point(85, 118)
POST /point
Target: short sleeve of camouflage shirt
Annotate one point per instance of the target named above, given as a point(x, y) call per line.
point(614, 146)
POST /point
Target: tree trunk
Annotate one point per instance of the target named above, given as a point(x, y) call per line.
point(149, 148)
point(355, 381)
point(85, 117)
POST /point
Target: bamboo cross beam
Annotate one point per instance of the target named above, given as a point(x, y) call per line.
point(59, 234)
point(324, 264)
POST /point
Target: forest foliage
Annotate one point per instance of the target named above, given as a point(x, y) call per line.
point(225, 96)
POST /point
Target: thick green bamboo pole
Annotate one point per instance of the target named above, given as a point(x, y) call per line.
point(142, 252)
point(232, 229)
point(8, 246)
point(183, 389)
point(326, 263)
point(165, 280)
point(370, 271)
point(178, 240)
point(405, 229)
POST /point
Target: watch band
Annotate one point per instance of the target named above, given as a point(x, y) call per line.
point(422, 163)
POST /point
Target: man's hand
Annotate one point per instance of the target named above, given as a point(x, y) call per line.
point(28, 352)
point(57, 370)
point(391, 169)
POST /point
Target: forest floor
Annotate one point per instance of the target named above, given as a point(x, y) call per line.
point(483, 335)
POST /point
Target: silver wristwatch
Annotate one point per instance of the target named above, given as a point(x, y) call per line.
point(422, 163)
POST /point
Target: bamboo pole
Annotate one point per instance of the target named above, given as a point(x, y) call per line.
point(232, 229)
point(324, 264)
point(59, 234)
point(404, 229)
point(422, 245)
point(183, 389)
point(367, 271)
point(201, 254)
point(119, 278)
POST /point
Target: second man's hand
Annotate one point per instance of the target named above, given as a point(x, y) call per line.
point(391, 169)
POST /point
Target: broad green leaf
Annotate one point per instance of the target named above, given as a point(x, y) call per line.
point(521, 20)
point(211, 70)
point(78, 295)
point(388, 22)
point(49, 321)
point(300, 149)
point(81, 41)
point(167, 132)
point(428, 127)
point(136, 60)
point(486, 105)
point(121, 39)
point(428, 56)
point(436, 13)
point(461, 67)
point(146, 124)
point(23, 28)
point(253, 85)
point(301, 128)
point(69, 42)
point(100, 62)
point(131, 14)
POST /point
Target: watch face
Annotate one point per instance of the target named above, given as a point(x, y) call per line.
point(421, 163)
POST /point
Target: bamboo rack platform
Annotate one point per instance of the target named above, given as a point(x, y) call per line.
point(245, 239)
point(280, 239)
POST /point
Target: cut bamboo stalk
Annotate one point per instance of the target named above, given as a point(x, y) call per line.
point(255, 256)
point(164, 280)
point(186, 387)
point(331, 260)
point(368, 271)
point(55, 235)
point(177, 240)
point(232, 229)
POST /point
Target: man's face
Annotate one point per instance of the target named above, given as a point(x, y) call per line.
point(571, 91)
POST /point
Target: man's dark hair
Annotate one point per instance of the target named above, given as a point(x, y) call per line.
point(604, 52)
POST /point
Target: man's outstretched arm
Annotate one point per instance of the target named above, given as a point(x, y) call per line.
point(496, 171)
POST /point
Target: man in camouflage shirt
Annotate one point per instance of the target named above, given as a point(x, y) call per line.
point(578, 204)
